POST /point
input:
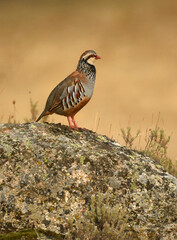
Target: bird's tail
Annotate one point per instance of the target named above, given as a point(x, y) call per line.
point(42, 115)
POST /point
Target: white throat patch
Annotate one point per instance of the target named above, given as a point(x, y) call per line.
point(91, 60)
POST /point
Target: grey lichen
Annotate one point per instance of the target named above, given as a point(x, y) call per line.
point(50, 176)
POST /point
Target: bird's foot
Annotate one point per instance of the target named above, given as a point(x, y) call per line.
point(75, 126)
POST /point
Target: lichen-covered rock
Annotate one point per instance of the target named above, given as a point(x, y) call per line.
point(49, 173)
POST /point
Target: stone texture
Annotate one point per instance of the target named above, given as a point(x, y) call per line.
point(48, 172)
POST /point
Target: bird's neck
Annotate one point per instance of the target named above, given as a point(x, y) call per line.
point(87, 69)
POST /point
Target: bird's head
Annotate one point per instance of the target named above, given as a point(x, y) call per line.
point(89, 57)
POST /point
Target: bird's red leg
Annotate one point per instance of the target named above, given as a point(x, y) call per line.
point(75, 124)
point(69, 121)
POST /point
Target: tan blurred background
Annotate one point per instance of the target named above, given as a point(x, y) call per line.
point(41, 42)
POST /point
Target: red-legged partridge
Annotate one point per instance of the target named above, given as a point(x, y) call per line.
point(75, 91)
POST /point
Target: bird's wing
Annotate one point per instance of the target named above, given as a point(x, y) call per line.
point(67, 93)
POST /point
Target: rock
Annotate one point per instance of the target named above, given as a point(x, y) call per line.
point(52, 177)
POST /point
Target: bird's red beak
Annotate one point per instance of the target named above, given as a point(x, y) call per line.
point(97, 57)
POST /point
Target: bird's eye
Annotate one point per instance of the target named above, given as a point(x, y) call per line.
point(91, 56)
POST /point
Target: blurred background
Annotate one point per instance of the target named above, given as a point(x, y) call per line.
point(41, 42)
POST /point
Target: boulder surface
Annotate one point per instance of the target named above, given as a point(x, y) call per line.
point(52, 177)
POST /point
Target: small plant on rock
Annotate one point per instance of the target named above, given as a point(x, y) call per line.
point(100, 221)
point(128, 137)
point(156, 147)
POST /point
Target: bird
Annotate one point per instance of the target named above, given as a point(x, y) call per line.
point(75, 91)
